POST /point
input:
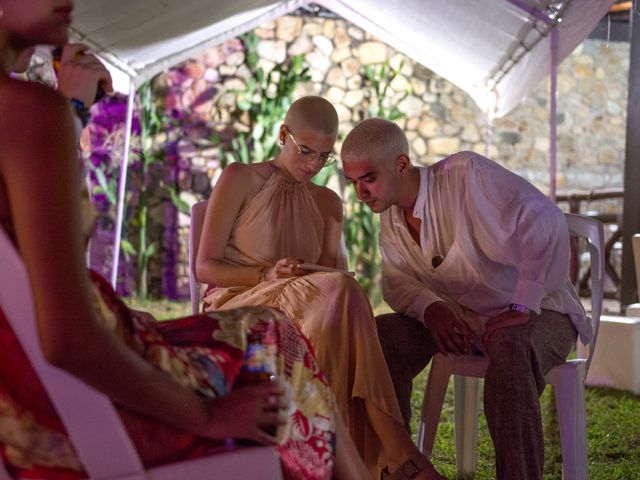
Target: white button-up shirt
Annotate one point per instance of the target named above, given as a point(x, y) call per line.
point(503, 241)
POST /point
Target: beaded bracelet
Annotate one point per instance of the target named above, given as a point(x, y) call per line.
point(264, 271)
point(81, 111)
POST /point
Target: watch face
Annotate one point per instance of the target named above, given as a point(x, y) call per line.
point(519, 308)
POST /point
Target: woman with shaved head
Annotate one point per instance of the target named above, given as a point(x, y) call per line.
point(268, 229)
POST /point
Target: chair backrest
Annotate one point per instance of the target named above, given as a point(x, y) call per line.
point(342, 262)
point(198, 211)
point(636, 260)
point(89, 416)
point(592, 231)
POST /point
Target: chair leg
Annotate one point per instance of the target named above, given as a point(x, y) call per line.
point(4, 475)
point(434, 394)
point(570, 404)
point(467, 401)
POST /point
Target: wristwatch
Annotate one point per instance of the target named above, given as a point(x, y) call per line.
point(516, 307)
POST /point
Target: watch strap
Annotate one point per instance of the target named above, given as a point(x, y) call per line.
point(516, 307)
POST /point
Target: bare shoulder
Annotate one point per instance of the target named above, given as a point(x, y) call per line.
point(32, 101)
point(32, 117)
point(327, 200)
point(246, 177)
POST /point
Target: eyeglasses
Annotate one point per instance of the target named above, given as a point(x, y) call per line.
point(305, 154)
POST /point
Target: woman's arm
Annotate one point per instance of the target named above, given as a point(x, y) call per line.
point(40, 170)
point(330, 206)
point(234, 186)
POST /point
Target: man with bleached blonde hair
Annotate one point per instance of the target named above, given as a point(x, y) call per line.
point(475, 259)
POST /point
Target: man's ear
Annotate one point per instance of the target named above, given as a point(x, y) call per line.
point(282, 135)
point(402, 164)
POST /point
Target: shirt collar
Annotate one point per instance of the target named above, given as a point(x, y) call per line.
point(423, 190)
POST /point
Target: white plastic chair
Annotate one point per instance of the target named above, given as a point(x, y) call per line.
point(567, 380)
point(198, 211)
point(98, 435)
point(634, 309)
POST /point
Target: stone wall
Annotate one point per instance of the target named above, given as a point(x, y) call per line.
point(439, 118)
point(592, 107)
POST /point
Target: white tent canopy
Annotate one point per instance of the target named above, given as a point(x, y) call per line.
point(471, 43)
point(495, 50)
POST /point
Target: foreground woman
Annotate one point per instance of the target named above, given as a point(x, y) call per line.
point(267, 231)
point(172, 381)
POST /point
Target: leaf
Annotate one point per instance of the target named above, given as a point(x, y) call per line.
point(151, 250)
point(127, 248)
point(179, 203)
point(324, 175)
point(106, 187)
point(258, 131)
point(243, 104)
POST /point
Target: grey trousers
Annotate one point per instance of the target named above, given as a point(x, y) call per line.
point(519, 357)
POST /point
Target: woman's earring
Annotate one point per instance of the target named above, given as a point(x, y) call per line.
point(281, 142)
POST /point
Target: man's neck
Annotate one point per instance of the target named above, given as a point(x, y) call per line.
point(410, 187)
point(413, 225)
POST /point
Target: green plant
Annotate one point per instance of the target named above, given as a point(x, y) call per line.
point(150, 126)
point(379, 79)
point(151, 182)
point(264, 104)
point(361, 226)
point(105, 173)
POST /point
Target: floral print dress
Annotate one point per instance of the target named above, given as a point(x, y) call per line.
point(203, 352)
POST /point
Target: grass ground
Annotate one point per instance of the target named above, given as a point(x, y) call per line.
point(613, 419)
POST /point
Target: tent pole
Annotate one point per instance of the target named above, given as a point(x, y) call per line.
point(488, 132)
point(553, 93)
point(122, 184)
point(488, 137)
point(553, 120)
point(631, 206)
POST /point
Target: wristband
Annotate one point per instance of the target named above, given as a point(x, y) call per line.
point(516, 307)
point(81, 111)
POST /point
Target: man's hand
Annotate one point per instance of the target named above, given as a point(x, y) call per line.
point(450, 333)
point(505, 319)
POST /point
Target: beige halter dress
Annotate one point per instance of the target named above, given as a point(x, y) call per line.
point(331, 309)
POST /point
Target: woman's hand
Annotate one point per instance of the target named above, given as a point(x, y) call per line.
point(284, 268)
point(80, 74)
point(248, 413)
point(142, 315)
